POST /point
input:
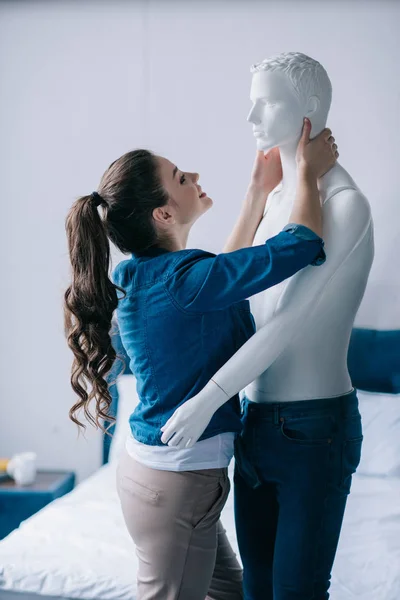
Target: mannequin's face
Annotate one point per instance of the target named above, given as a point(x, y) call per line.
point(276, 114)
point(187, 201)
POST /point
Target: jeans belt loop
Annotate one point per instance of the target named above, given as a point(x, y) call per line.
point(343, 405)
point(276, 415)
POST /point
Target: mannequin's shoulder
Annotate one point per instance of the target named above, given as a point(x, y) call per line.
point(340, 195)
point(337, 181)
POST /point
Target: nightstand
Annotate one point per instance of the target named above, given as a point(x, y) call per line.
point(17, 502)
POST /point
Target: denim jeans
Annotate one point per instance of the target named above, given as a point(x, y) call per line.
point(294, 463)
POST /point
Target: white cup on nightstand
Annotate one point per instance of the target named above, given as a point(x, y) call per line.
point(22, 468)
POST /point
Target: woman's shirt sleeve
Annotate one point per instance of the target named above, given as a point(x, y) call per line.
point(203, 282)
point(305, 233)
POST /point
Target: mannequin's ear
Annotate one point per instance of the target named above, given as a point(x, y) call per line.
point(313, 105)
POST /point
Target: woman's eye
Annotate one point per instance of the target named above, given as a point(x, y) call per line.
point(182, 179)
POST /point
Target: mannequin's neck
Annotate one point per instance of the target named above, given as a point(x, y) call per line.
point(288, 158)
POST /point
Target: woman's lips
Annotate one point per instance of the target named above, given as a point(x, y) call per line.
point(202, 195)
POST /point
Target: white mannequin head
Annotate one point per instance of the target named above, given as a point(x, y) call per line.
point(286, 88)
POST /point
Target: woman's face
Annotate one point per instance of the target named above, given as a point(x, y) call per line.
point(187, 201)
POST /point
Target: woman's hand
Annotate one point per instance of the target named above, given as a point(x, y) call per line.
point(319, 155)
point(267, 171)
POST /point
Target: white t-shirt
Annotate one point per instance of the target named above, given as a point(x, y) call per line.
point(214, 453)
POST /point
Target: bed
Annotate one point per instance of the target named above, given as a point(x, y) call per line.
point(77, 547)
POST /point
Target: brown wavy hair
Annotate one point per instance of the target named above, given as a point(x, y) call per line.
point(130, 190)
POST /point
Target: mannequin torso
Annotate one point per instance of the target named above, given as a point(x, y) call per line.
point(313, 364)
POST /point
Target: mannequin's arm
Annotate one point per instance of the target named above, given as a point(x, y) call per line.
point(346, 221)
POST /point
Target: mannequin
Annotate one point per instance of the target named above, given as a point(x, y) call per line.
point(288, 358)
point(302, 434)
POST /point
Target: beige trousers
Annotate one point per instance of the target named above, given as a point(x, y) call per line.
point(174, 521)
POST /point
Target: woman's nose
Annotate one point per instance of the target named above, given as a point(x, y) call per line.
point(253, 116)
point(195, 177)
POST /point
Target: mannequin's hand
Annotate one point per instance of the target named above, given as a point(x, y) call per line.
point(267, 170)
point(188, 422)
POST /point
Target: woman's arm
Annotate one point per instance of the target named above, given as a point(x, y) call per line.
point(250, 216)
point(265, 176)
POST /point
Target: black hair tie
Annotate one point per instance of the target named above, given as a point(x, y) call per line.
point(97, 199)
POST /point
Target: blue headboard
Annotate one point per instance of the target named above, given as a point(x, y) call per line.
point(373, 360)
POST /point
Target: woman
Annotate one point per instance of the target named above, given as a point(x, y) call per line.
point(183, 313)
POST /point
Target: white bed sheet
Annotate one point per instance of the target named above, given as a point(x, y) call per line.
point(78, 547)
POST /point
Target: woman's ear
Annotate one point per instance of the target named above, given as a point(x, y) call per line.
point(164, 215)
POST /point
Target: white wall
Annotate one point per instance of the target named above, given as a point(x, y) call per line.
point(83, 82)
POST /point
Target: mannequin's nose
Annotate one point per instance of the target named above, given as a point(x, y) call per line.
point(253, 116)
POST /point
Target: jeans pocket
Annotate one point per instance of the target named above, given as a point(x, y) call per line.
point(351, 456)
point(351, 448)
point(312, 430)
point(244, 465)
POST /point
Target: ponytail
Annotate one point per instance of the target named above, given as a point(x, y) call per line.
point(89, 304)
point(130, 190)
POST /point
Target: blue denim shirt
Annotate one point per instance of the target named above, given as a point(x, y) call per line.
point(186, 313)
